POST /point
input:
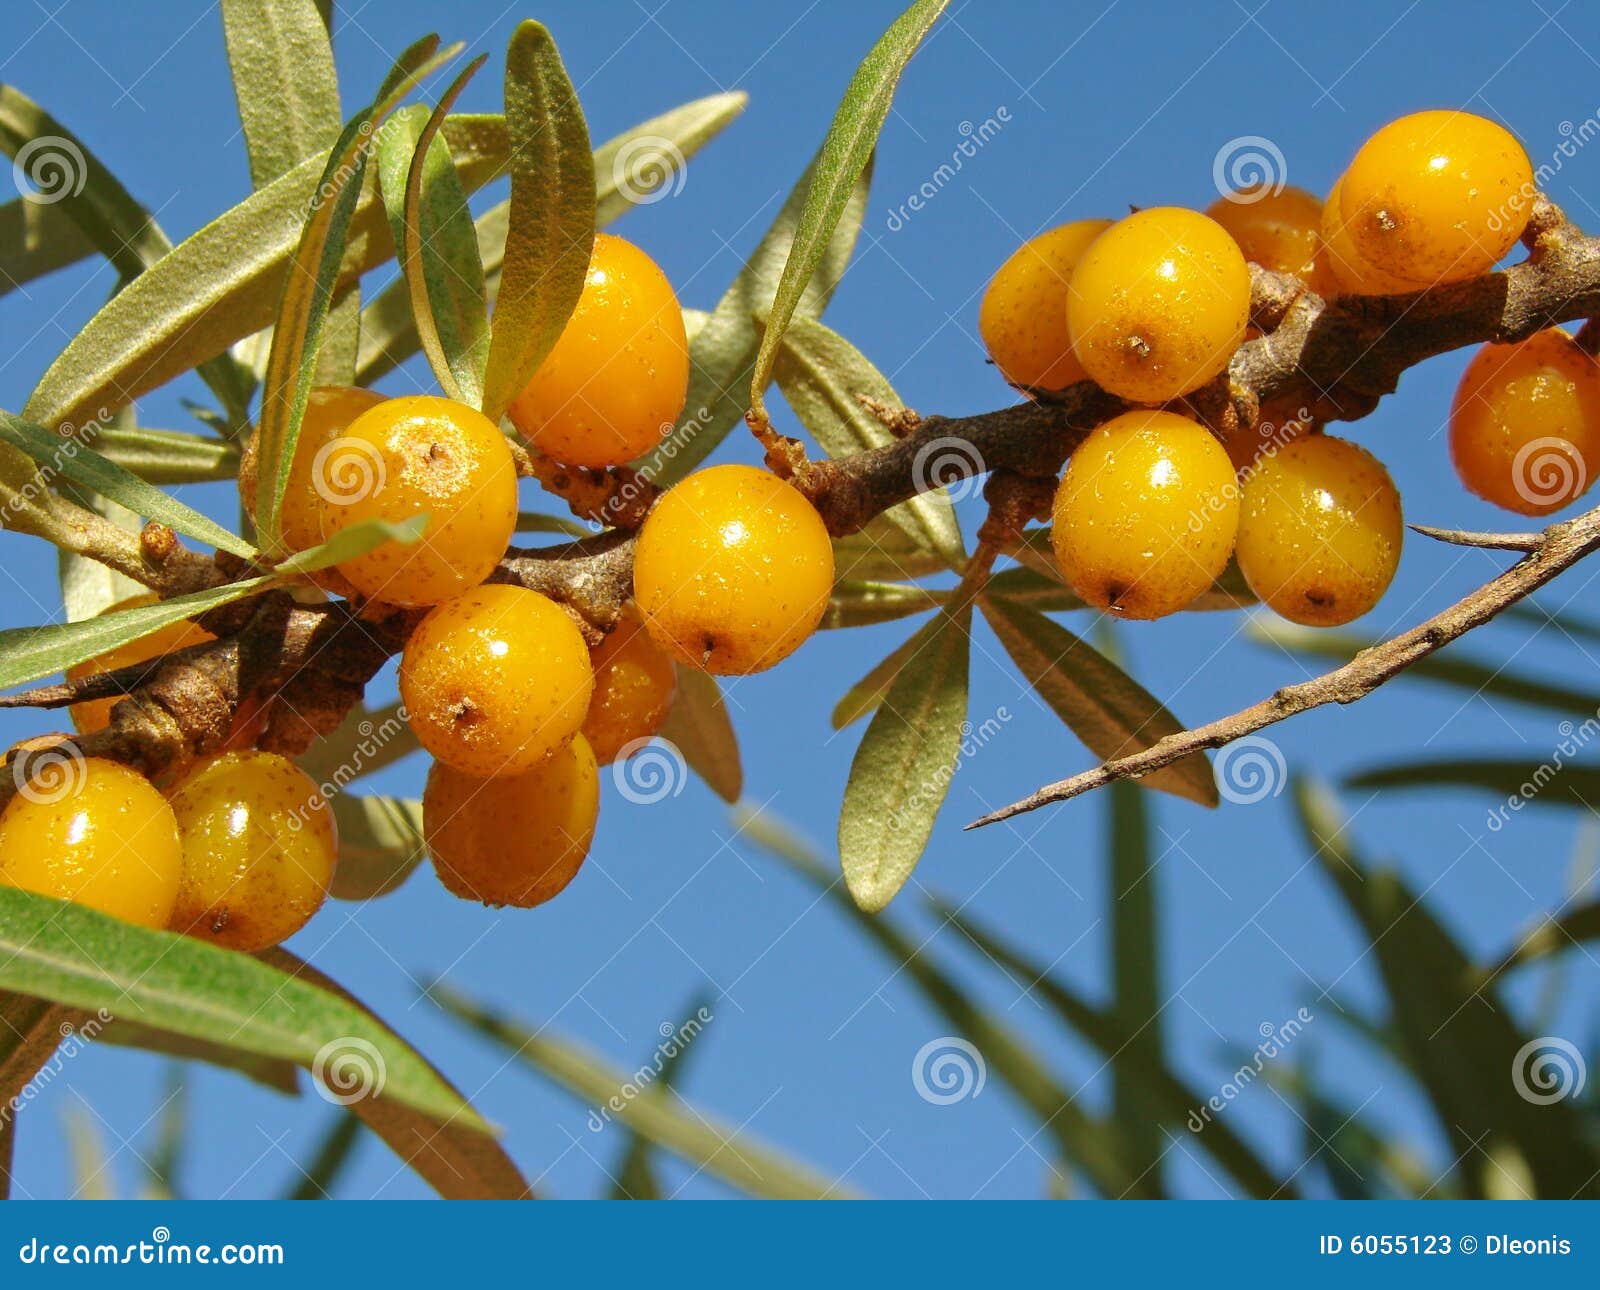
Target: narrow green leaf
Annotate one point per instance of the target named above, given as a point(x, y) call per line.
point(1031, 589)
point(27, 653)
point(283, 78)
point(329, 1161)
point(718, 1149)
point(1105, 707)
point(845, 153)
point(1555, 934)
point(85, 959)
point(1539, 618)
point(635, 1174)
point(551, 221)
point(867, 693)
point(309, 289)
point(1524, 783)
point(380, 844)
point(882, 551)
point(31, 1029)
point(722, 353)
point(276, 1073)
point(75, 460)
point(641, 165)
point(538, 522)
point(356, 540)
point(823, 377)
point(163, 1162)
point(1457, 1035)
point(1091, 1144)
point(224, 284)
point(1136, 994)
point(698, 727)
point(861, 604)
point(388, 329)
point(365, 742)
point(82, 189)
point(37, 238)
point(168, 456)
point(1448, 667)
point(439, 245)
point(903, 768)
point(458, 1154)
point(90, 1161)
point(1146, 1093)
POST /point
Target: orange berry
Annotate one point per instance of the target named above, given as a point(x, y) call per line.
point(259, 849)
point(312, 486)
point(95, 714)
point(633, 686)
point(1437, 197)
point(1350, 269)
point(733, 570)
point(1145, 514)
point(1023, 318)
point(495, 679)
point(615, 382)
point(1320, 531)
point(1158, 304)
point(1525, 425)
point(1279, 230)
point(93, 832)
point(518, 839)
point(423, 455)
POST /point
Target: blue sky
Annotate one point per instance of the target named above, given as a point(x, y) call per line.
point(814, 1034)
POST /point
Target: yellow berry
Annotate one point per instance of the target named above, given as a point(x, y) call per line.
point(733, 570)
point(1158, 304)
point(1279, 230)
point(423, 455)
point(1349, 268)
point(516, 840)
point(93, 832)
point(329, 411)
point(615, 381)
point(95, 714)
point(1145, 514)
point(1246, 444)
point(1437, 197)
point(1320, 531)
point(633, 685)
point(495, 679)
point(259, 848)
point(1525, 426)
point(1023, 318)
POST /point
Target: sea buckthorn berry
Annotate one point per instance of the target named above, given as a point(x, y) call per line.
point(312, 484)
point(1437, 197)
point(1320, 531)
point(1023, 318)
point(1279, 230)
point(516, 840)
point(1349, 269)
point(1158, 304)
point(95, 714)
point(733, 570)
point(1525, 425)
point(1145, 514)
point(615, 381)
point(633, 685)
point(415, 455)
point(93, 832)
point(1246, 444)
point(259, 848)
point(495, 679)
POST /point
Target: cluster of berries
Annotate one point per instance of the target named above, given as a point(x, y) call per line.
point(733, 571)
point(1152, 307)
